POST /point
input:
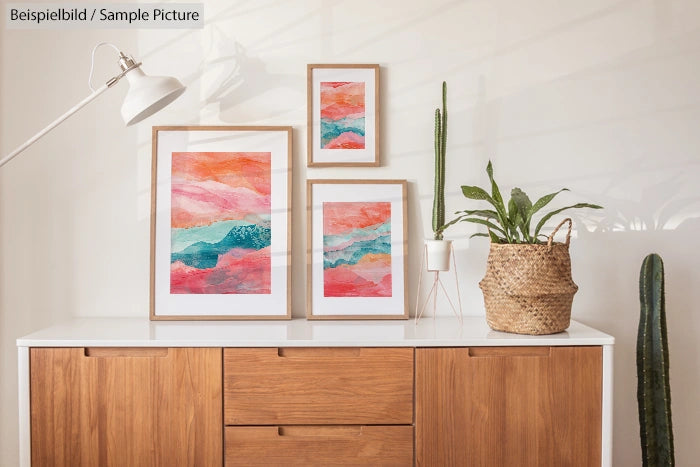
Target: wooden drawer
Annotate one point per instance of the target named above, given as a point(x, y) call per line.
point(318, 386)
point(319, 445)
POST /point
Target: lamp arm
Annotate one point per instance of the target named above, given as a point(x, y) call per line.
point(150, 98)
point(58, 121)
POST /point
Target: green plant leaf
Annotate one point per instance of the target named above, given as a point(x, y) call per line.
point(512, 210)
point(488, 224)
point(487, 213)
point(477, 193)
point(542, 202)
point(520, 224)
point(498, 201)
point(499, 204)
point(522, 207)
point(549, 215)
point(479, 234)
point(495, 192)
point(522, 202)
point(515, 220)
point(445, 226)
point(515, 237)
point(495, 238)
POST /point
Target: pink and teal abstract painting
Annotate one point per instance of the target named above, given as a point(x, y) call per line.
point(220, 223)
point(356, 249)
point(342, 115)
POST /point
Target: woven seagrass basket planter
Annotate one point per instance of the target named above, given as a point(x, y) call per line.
point(528, 288)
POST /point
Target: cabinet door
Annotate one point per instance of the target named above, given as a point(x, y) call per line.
point(126, 406)
point(514, 406)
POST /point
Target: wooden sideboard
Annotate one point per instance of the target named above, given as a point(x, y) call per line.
point(131, 392)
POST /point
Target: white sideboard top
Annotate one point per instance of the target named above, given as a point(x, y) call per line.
point(429, 332)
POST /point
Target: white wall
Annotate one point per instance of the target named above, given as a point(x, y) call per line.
point(601, 96)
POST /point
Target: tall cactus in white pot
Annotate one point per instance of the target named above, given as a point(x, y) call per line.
point(438, 249)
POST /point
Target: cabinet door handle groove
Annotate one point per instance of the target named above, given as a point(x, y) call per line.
point(490, 352)
point(106, 352)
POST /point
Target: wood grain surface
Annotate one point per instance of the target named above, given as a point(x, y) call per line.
point(508, 406)
point(319, 445)
point(313, 386)
point(126, 407)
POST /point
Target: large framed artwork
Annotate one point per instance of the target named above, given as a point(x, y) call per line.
point(220, 223)
point(356, 249)
point(343, 115)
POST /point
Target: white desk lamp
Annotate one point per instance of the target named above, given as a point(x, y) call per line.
point(146, 96)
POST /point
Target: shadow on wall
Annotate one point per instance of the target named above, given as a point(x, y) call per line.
point(231, 80)
point(664, 218)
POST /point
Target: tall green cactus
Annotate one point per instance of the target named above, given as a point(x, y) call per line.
point(440, 147)
point(653, 390)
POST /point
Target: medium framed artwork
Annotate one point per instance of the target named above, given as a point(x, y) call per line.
point(220, 223)
point(356, 249)
point(343, 115)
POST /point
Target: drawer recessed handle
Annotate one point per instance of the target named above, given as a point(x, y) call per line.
point(490, 352)
point(346, 431)
point(305, 352)
point(107, 352)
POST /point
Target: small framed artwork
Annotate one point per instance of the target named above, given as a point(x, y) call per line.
point(343, 115)
point(220, 223)
point(356, 260)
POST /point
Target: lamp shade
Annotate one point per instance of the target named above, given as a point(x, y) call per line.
point(148, 94)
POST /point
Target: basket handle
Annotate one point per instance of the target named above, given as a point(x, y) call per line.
point(556, 229)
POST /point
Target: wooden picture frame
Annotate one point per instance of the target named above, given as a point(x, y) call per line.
point(343, 115)
point(356, 249)
point(221, 223)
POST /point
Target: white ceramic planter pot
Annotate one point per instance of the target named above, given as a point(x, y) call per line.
point(438, 252)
